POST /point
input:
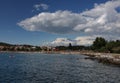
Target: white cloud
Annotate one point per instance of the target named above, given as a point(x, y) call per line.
point(103, 20)
point(62, 42)
point(60, 22)
point(40, 6)
point(81, 40)
point(85, 40)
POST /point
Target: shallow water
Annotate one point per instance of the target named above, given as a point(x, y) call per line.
point(54, 68)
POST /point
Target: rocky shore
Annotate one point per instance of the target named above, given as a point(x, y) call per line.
point(104, 57)
point(110, 58)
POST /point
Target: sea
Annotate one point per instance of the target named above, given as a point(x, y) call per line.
point(55, 68)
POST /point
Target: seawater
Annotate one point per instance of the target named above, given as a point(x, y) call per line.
point(54, 68)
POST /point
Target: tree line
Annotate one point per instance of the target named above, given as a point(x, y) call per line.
point(99, 45)
point(102, 45)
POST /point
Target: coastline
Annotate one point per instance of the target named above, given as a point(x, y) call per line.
point(110, 58)
point(19, 52)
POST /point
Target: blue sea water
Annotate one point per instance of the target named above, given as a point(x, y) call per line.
point(54, 68)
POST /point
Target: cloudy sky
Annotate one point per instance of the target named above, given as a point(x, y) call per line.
point(58, 22)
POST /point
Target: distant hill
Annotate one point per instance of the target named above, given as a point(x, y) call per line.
point(19, 47)
point(5, 44)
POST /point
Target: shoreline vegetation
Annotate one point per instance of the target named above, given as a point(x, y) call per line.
point(101, 50)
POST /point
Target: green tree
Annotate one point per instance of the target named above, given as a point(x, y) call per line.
point(110, 45)
point(113, 46)
point(38, 48)
point(70, 46)
point(99, 43)
point(62, 48)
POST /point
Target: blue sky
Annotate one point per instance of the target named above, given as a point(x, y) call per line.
point(13, 12)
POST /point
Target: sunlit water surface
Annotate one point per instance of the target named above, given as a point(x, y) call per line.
point(54, 68)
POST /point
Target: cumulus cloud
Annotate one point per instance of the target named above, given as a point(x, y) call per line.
point(85, 40)
point(40, 6)
point(103, 19)
point(58, 22)
point(62, 42)
point(81, 40)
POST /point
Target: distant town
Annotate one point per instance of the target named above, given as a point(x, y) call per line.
point(30, 48)
point(99, 45)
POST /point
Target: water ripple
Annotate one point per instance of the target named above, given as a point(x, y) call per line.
point(40, 68)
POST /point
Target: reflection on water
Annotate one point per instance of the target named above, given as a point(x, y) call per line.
point(54, 68)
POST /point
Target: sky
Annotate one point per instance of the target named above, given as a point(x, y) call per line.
point(58, 22)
